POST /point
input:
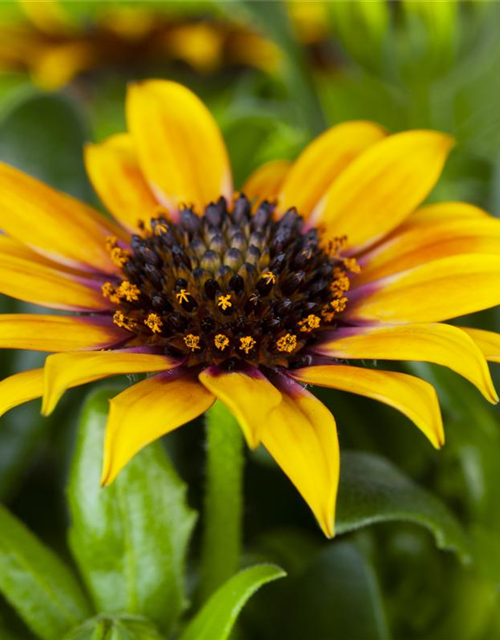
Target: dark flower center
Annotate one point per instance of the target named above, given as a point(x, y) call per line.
point(230, 285)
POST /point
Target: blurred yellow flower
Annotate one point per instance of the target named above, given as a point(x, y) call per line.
point(55, 48)
point(315, 267)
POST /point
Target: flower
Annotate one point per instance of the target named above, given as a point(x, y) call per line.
point(313, 268)
point(54, 47)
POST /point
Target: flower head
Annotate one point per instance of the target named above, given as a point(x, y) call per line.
point(311, 270)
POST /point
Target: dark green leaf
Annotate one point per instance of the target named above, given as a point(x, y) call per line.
point(336, 598)
point(217, 617)
point(374, 490)
point(36, 583)
point(129, 539)
point(43, 135)
point(115, 628)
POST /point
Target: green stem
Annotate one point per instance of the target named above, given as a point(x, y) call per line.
point(222, 534)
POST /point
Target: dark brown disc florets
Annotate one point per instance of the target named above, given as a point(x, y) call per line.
point(230, 285)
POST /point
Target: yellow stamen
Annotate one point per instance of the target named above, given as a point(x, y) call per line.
point(338, 305)
point(351, 264)
point(310, 323)
point(328, 315)
point(339, 286)
point(254, 298)
point(221, 341)
point(336, 245)
point(154, 322)
point(247, 343)
point(128, 291)
point(123, 322)
point(269, 277)
point(287, 343)
point(192, 341)
point(224, 302)
point(109, 292)
point(182, 296)
point(160, 228)
point(119, 256)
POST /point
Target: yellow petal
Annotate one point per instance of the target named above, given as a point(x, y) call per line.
point(250, 397)
point(115, 174)
point(415, 398)
point(487, 341)
point(145, 412)
point(383, 186)
point(65, 370)
point(43, 285)
point(446, 211)
point(265, 182)
point(418, 241)
point(179, 146)
point(323, 160)
point(53, 223)
point(301, 436)
point(435, 291)
point(438, 343)
point(58, 333)
point(15, 249)
point(20, 388)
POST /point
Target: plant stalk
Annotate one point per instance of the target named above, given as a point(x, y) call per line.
point(223, 507)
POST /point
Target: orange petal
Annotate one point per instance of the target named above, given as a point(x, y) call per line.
point(159, 405)
point(323, 160)
point(53, 223)
point(250, 397)
point(421, 240)
point(179, 146)
point(301, 436)
point(20, 388)
point(435, 291)
point(65, 370)
point(383, 186)
point(58, 333)
point(39, 284)
point(115, 174)
point(415, 398)
point(487, 341)
point(438, 343)
point(265, 182)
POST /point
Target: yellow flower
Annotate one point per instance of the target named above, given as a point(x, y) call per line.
point(410, 267)
point(54, 48)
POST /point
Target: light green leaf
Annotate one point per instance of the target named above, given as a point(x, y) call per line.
point(374, 490)
point(37, 584)
point(124, 627)
point(337, 597)
point(217, 617)
point(43, 135)
point(129, 539)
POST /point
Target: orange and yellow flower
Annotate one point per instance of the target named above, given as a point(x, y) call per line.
point(313, 268)
point(55, 48)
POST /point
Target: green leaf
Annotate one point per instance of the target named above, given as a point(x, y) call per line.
point(218, 616)
point(43, 135)
point(124, 627)
point(337, 597)
point(129, 539)
point(374, 490)
point(37, 584)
